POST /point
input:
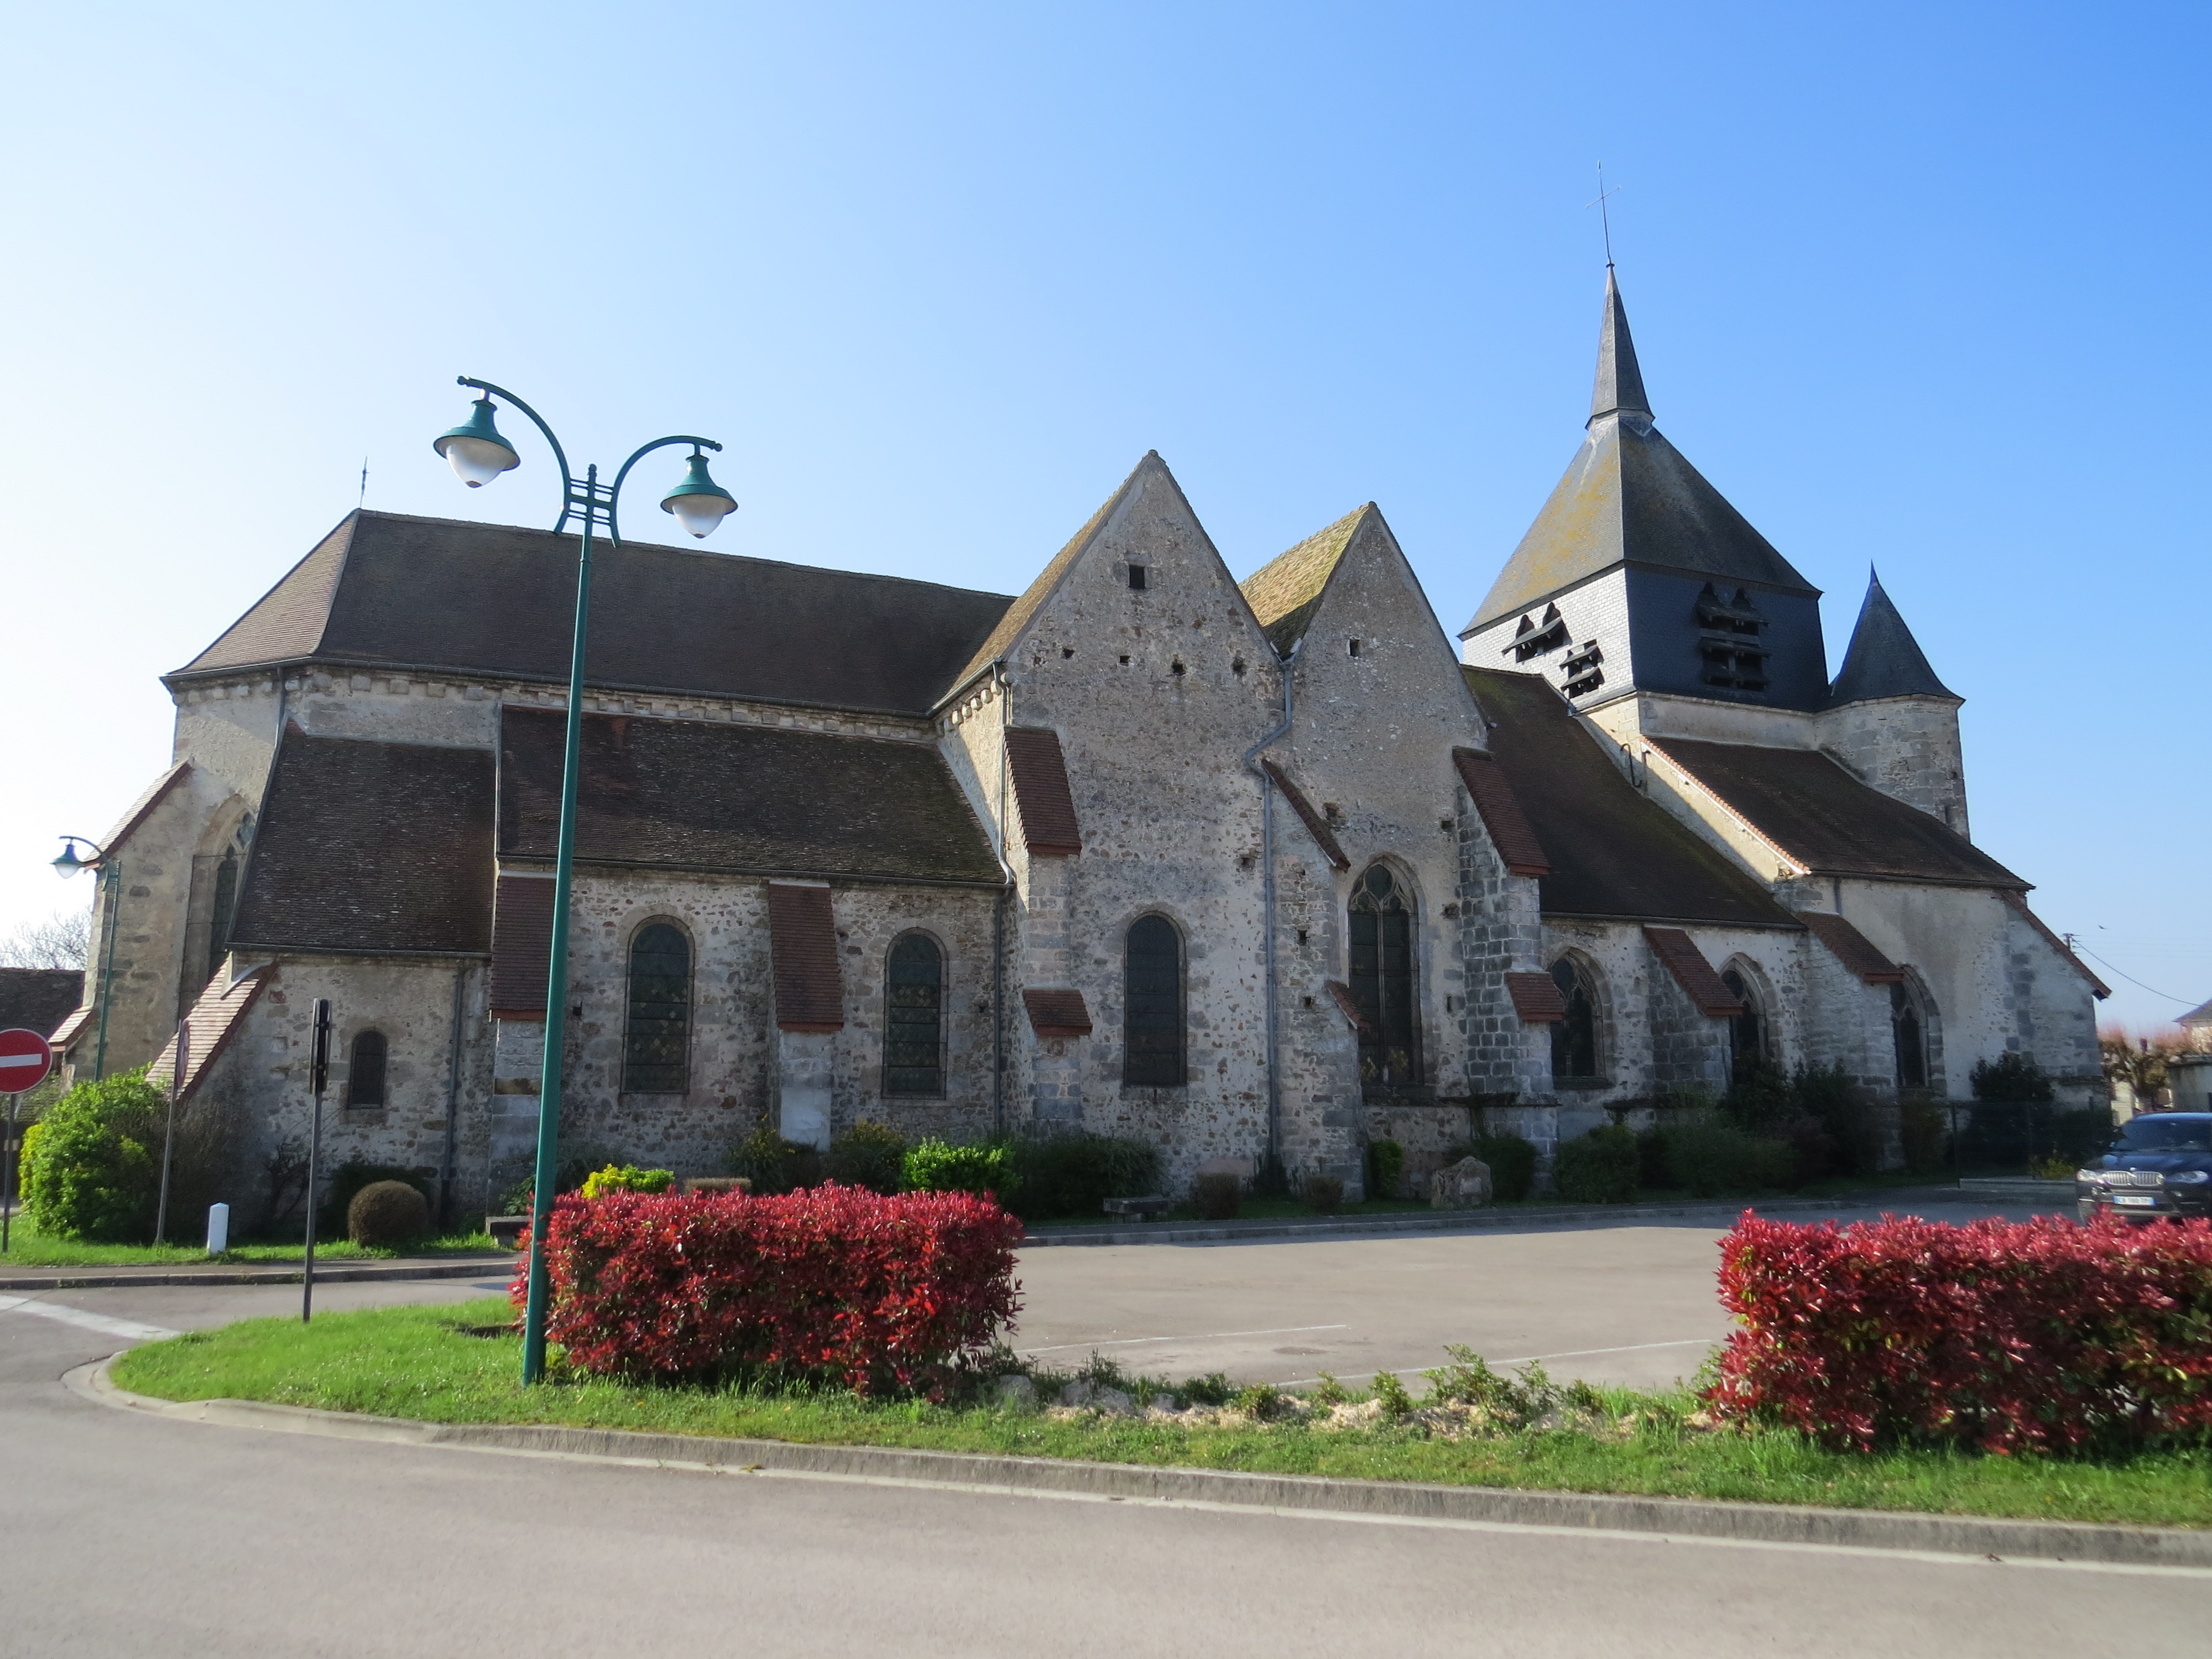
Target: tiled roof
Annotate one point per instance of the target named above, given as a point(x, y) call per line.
point(1286, 591)
point(1016, 617)
point(1537, 998)
point(803, 940)
point(1852, 948)
point(2200, 1015)
point(1631, 497)
point(1500, 810)
point(521, 947)
point(1348, 1005)
point(385, 590)
point(1614, 853)
point(376, 848)
point(2097, 987)
point(39, 999)
point(207, 1030)
point(1057, 1013)
point(1316, 826)
point(64, 1035)
point(1039, 770)
point(750, 800)
point(156, 792)
point(1693, 972)
point(1825, 818)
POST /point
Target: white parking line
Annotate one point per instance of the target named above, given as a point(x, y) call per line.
point(106, 1326)
point(1203, 1336)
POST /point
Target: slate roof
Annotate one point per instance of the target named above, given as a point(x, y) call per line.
point(1825, 818)
point(1884, 659)
point(1286, 591)
point(755, 800)
point(1631, 497)
point(39, 999)
point(374, 847)
point(1613, 853)
point(389, 590)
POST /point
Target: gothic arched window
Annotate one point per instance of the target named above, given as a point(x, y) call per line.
point(1382, 930)
point(1152, 1005)
point(914, 1017)
point(365, 1071)
point(226, 901)
point(1909, 1032)
point(1574, 1039)
point(657, 1038)
point(1746, 1031)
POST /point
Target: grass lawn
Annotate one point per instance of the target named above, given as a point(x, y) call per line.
point(458, 1363)
point(26, 1247)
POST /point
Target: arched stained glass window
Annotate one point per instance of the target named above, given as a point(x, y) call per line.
point(365, 1071)
point(1746, 1031)
point(914, 1018)
point(1152, 1005)
point(1909, 1031)
point(1382, 930)
point(1574, 1039)
point(657, 1038)
point(226, 901)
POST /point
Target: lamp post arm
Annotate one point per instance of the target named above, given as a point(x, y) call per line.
point(614, 493)
point(567, 479)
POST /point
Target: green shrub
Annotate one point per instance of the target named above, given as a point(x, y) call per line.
point(1324, 1193)
point(1600, 1168)
point(2011, 1078)
point(2078, 1137)
point(1827, 1095)
point(1925, 1127)
point(388, 1215)
point(774, 1164)
point(1390, 1394)
point(1760, 1094)
point(350, 1177)
point(937, 1166)
point(1709, 1155)
point(1217, 1197)
point(1512, 1162)
point(1386, 1167)
point(1075, 1174)
point(92, 1171)
point(627, 1178)
point(869, 1154)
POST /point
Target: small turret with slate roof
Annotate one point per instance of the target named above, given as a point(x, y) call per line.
point(1891, 720)
point(1638, 575)
point(1884, 659)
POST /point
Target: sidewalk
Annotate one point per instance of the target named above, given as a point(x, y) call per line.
point(349, 1272)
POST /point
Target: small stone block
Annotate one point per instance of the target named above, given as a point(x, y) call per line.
point(1461, 1186)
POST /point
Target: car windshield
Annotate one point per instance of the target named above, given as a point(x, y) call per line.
point(2164, 1131)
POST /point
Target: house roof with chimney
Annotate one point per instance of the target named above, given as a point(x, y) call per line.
point(1629, 497)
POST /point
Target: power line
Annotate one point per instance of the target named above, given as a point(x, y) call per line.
point(2131, 979)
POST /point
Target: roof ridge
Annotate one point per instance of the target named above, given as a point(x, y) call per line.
point(1285, 593)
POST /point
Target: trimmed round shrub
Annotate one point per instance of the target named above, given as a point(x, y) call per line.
point(869, 1154)
point(92, 1171)
point(935, 1166)
point(385, 1215)
point(1600, 1168)
point(1216, 1197)
point(349, 1178)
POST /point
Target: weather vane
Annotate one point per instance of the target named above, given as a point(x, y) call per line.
point(1604, 217)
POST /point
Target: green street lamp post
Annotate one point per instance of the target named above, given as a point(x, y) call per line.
point(107, 871)
point(478, 453)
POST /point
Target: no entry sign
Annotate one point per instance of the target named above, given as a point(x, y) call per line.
point(25, 1060)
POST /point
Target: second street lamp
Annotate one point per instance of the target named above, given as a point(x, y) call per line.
point(478, 453)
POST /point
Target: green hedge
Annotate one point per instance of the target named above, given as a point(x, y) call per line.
point(92, 1172)
point(1600, 1168)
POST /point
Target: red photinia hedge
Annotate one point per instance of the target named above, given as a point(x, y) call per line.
point(839, 1282)
point(2017, 1336)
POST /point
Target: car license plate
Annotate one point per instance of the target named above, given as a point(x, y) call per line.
point(2134, 1201)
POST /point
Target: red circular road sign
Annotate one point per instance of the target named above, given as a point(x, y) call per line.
point(25, 1059)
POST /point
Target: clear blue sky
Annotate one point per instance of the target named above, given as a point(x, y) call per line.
point(1911, 284)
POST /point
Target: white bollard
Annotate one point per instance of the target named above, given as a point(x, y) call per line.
point(218, 1229)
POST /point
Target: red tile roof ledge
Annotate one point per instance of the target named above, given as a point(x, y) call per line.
point(1041, 792)
point(803, 941)
point(1500, 810)
point(1057, 1013)
point(1316, 826)
point(1537, 998)
point(1694, 973)
point(1852, 948)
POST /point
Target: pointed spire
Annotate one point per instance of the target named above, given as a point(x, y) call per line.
point(1619, 382)
point(1884, 659)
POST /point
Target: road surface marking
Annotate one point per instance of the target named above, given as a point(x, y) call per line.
point(90, 1321)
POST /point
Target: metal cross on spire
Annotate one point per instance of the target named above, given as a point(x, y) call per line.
point(1605, 218)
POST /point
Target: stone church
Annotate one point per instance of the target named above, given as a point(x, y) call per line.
point(1247, 869)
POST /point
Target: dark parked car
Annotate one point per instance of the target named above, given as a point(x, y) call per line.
point(2160, 1168)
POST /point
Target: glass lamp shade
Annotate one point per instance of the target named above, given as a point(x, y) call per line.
point(475, 451)
point(699, 503)
point(69, 863)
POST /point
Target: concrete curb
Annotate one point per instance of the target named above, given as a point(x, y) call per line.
point(1156, 1232)
point(1788, 1526)
point(352, 1273)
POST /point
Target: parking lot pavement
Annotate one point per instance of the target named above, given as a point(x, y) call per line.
point(1629, 1303)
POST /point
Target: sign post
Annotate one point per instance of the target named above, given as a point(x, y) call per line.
point(25, 1060)
point(169, 1128)
point(319, 1075)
